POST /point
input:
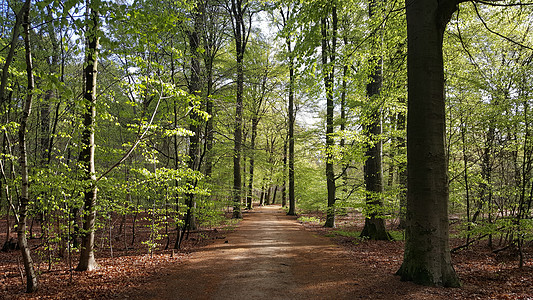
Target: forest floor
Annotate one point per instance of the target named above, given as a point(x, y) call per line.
point(273, 256)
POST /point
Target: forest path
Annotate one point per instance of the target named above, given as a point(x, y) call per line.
point(271, 256)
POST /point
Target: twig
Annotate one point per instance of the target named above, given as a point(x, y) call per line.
point(497, 33)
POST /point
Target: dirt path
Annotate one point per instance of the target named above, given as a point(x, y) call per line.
point(270, 256)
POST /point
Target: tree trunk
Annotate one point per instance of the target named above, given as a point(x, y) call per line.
point(275, 187)
point(402, 170)
point(87, 262)
point(9, 58)
point(292, 199)
point(284, 187)
point(329, 73)
point(255, 122)
point(194, 140)
point(31, 277)
point(240, 46)
point(427, 257)
point(374, 222)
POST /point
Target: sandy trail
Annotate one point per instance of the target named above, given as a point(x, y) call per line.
point(270, 256)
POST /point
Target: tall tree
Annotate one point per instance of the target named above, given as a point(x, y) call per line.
point(374, 221)
point(31, 277)
point(427, 257)
point(238, 10)
point(86, 157)
point(286, 16)
point(194, 126)
point(329, 47)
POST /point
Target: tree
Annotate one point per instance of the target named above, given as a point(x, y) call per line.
point(286, 17)
point(329, 48)
point(86, 158)
point(31, 278)
point(374, 221)
point(238, 10)
point(427, 257)
point(194, 127)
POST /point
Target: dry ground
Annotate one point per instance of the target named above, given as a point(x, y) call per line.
point(270, 256)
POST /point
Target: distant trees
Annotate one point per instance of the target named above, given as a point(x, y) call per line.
point(195, 107)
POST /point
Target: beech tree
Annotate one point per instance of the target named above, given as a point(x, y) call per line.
point(329, 27)
point(238, 11)
point(31, 277)
point(87, 158)
point(427, 257)
point(374, 221)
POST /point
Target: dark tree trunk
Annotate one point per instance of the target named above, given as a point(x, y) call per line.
point(240, 46)
point(31, 277)
point(284, 187)
point(274, 195)
point(87, 262)
point(374, 222)
point(427, 255)
point(292, 199)
point(255, 122)
point(402, 170)
point(11, 53)
point(194, 140)
point(262, 199)
point(328, 51)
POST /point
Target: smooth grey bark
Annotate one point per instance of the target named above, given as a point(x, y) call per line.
point(31, 277)
point(427, 258)
point(86, 158)
point(374, 222)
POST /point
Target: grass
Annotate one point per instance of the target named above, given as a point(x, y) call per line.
point(396, 235)
point(305, 219)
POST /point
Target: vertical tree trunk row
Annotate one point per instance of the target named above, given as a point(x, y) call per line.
point(86, 158)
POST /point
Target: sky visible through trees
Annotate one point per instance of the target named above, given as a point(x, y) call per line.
point(178, 114)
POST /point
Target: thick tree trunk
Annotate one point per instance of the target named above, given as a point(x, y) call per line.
point(31, 277)
point(427, 257)
point(87, 262)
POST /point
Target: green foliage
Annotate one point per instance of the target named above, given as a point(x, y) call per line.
point(306, 219)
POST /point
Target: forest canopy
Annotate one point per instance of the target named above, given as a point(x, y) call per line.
point(185, 112)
